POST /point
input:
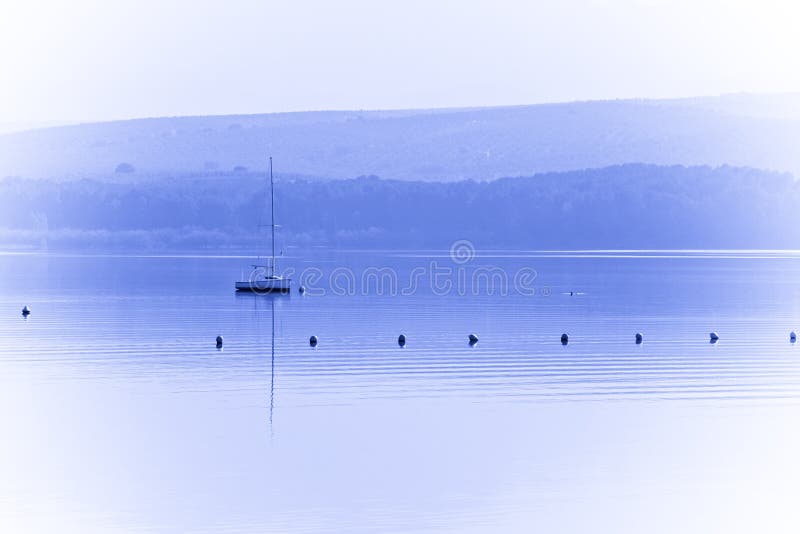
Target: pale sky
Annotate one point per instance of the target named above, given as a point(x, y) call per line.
point(83, 60)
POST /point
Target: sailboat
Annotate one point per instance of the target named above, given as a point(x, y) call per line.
point(262, 278)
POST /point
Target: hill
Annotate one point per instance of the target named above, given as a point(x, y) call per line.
point(423, 145)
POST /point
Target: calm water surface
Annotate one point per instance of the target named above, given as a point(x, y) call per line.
point(119, 413)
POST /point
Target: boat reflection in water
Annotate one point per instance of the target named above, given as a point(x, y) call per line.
point(257, 300)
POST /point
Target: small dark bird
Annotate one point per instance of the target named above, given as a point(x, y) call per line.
point(302, 289)
point(793, 337)
point(639, 338)
point(564, 339)
point(401, 340)
point(473, 339)
point(219, 342)
point(312, 341)
point(26, 311)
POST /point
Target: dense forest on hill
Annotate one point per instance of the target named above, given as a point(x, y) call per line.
point(628, 206)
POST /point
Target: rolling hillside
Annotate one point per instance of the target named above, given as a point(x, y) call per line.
point(424, 145)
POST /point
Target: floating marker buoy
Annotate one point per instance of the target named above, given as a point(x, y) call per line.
point(792, 337)
point(401, 340)
point(302, 289)
point(219, 341)
point(312, 341)
point(26, 311)
point(639, 338)
point(564, 339)
point(473, 339)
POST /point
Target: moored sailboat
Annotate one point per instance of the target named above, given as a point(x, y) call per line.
point(263, 278)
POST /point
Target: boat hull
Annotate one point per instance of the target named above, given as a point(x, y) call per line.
point(265, 285)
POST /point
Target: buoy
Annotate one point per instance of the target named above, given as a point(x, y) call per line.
point(312, 341)
point(564, 339)
point(639, 338)
point(26, 311)
point(714, 337)
point(792, 337)
point(473, 339)
point(401, 340)
point(219, 341)
point(302, 289)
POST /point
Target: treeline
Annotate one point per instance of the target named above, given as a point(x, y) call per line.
point(628, 206)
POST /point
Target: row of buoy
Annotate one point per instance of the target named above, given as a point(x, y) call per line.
point(473, 339)
point(401, 340)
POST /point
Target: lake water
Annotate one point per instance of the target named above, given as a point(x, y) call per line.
point(120, 414)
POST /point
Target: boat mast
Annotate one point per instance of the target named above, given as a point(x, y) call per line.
point(272, 211)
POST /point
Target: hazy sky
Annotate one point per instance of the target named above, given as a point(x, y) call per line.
point(89, 60)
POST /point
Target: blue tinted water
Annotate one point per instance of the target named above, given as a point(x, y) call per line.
point(119, 413)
